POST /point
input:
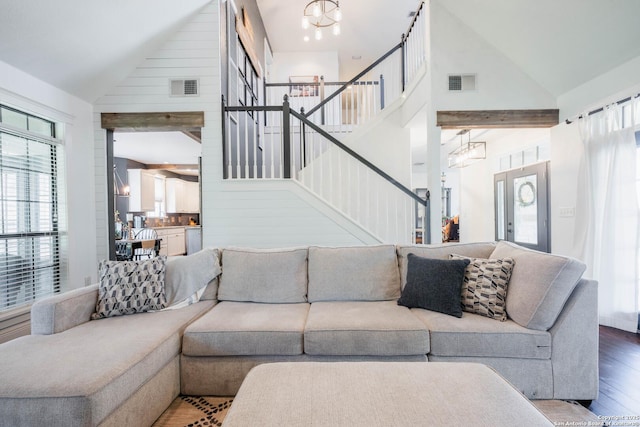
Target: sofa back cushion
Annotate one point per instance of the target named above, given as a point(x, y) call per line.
point(540, 284)
point(471, 250)
point(364, 273)
point(264, 275)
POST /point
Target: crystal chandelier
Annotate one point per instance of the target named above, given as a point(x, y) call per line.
point(322, 14)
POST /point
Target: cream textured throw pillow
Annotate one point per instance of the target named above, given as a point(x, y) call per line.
point(484, 290)
point(128, 287)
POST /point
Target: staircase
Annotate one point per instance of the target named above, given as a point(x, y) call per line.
point(314, 133)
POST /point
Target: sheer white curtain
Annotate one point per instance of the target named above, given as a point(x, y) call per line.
point(608, 198)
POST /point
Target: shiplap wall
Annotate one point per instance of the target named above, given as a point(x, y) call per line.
point(257, 214)
point(279, 213)
point(192, 52)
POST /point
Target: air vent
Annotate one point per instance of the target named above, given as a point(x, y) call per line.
point(462, 82)
point(184, 87)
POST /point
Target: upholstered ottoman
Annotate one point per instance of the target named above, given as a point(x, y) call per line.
point(379, 394)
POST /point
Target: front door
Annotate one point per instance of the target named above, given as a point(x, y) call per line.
point(522, 208)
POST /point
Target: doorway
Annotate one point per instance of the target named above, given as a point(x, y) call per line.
point(189, 123)
point(522, 206)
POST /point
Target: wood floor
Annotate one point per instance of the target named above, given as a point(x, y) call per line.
point(619, 374)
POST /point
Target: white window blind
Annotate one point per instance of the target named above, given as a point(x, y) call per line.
point(31, 208)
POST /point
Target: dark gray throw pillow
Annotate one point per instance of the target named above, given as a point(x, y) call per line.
point(434, 284)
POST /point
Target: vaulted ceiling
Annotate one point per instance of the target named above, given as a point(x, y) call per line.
point(85, 47)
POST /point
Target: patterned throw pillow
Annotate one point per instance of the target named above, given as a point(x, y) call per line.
point(484, 290)
point(128, 287)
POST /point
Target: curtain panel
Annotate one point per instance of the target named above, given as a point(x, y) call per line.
point(607, 195)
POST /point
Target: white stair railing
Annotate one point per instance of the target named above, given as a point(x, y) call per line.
point(353, 185)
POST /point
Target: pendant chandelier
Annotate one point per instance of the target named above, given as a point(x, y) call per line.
point(467, 153)
point(322, 14)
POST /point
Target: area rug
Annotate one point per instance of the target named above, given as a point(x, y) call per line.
point(197, 411)
point(562, 412)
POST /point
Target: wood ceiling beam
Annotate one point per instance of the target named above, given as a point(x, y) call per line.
point(153, 122)
point(169, 167)
point(193, 134)
point(497, 119)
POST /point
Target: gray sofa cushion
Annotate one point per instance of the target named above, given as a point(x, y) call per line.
point(474, 335)
point(81, 375)
point(473, 250)
point(364, 328)
point(264, 275)
point(247, 329)
point(540, 285)
point(185, 275)
point(367, 273)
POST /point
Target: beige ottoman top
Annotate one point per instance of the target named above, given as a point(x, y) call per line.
point(379, 394)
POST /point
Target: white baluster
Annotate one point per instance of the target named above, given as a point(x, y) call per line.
point(229, 156)
point(238, 142)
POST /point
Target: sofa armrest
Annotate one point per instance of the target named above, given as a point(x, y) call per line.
point(64, 311)
point(574, 345)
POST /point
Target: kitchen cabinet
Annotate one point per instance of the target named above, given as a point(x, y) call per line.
point(141, 190)
point(182, 196)
point(193, 197)
point(172, 241)
point(176, 243)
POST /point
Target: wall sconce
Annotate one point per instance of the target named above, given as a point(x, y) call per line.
point(467, 153)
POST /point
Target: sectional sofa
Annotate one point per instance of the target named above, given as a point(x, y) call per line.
point(300, 304)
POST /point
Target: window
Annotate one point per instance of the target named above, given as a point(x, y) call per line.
point(159, 196)
point(31, 208)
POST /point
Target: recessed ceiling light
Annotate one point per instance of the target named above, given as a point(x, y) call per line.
point(306, 38)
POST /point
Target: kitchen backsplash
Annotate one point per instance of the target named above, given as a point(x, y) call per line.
point(173, 219)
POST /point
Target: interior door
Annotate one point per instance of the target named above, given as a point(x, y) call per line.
point(522, 206)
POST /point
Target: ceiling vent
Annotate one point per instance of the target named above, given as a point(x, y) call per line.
point(184, 87)
point(462, 82)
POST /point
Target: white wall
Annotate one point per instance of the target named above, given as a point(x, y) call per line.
point(609, 87)
point(566, 154)
point(278, 213)
point(287, 64)
point(24, 92)
point(456, 49)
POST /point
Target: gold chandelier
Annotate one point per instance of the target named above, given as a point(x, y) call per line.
point(322, 14)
